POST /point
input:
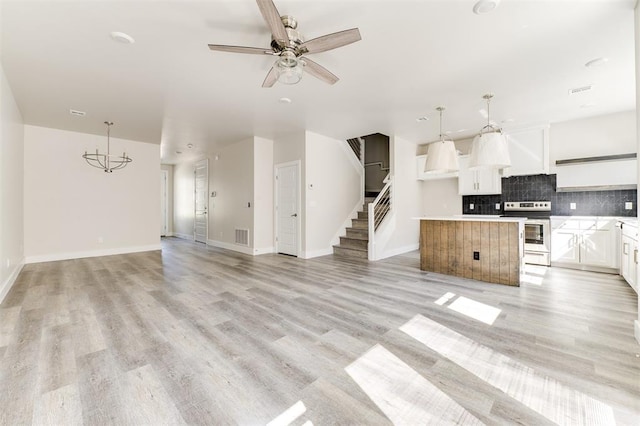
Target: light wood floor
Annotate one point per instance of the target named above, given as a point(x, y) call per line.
point(206, 336)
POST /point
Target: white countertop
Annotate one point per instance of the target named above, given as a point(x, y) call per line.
point(631, 221)
point(475, 218)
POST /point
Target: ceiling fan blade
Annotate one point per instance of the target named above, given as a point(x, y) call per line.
point(271, 78)
point(241, 49)
point(272, 17)
point(318, 71)
point(331, 41)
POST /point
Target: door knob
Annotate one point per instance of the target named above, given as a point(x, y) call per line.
point(294, 215)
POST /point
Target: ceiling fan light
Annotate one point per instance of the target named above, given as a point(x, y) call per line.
point(490, 151)
point(442, 157)
point(288, 68)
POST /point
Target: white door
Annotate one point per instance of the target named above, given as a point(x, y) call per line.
point(164, 203)
point(287, 208)
point(201, 201)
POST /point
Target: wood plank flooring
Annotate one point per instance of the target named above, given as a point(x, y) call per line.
point(199, 335)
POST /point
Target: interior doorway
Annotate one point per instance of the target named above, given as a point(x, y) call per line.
point(288, 218)
point(200, 226)
point(164, 203)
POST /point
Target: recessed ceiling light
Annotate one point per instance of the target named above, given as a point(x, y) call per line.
point(423, 118)
point(284, 100)
point(178, 152)
point(596, 62)
point(122, 37)
point(485, 6)
point(189, 145)
point(461, 130)
point(508, 120)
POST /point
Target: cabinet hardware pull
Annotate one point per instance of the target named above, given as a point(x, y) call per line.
point(635, 256)
point(625, 248)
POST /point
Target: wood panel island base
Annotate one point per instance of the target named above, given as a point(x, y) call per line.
point(484, 249)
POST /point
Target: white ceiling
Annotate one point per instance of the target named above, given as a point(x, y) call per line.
point(169, 88)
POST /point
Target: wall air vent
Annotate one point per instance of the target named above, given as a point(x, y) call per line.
point(78, 113)
point(242, 237)
point(582, 89)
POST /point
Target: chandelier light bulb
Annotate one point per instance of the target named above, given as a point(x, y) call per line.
point(288, 68)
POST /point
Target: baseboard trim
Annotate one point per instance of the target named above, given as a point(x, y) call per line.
point(230, 246)
point(92, 253)
point(317, 253)
point(6, 286)
point(183, 236)
point(636, 330)
point(263, 250)
point(399, 250)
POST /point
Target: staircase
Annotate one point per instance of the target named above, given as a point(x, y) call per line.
point(355, 243)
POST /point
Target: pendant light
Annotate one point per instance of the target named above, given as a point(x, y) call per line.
point(107, 162)
point(489, 149)
point(441, 156)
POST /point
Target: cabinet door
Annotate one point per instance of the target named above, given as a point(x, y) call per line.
point(467, 182)
point(597, 249)
point(489, 181)
point(633, 266)
point(564, 246)
point(626, 253)
point(529, 151)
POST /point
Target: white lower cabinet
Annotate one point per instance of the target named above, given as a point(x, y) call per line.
point(629, 255)
point(478, 181)
point(586, 243)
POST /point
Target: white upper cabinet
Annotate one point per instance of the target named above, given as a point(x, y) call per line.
point(529, 151)
point(478, 181)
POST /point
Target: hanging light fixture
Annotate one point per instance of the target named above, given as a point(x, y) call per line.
point(442, 156)
point(107, 162)
point(288, 68)
point(489, 149)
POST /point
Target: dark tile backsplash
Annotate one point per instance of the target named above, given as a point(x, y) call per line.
point(543, 188)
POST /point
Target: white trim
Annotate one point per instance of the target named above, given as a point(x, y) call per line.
point(184, 236)
point(92, 253)
point(6, 286)
point(263, 250)
point(399, 250)
point(636, 330)
point(230, 246)
point(317, 253)
point(165, 205)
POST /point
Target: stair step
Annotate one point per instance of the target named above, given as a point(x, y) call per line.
point(363, 215)
point(360, 223)
point(350, 252)
point(362, 234)
point(353, 243)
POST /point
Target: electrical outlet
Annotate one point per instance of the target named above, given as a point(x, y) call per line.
point(476, 255)
point(472, 206)
point(628, 205)
point(497, 206)
point(572, 206)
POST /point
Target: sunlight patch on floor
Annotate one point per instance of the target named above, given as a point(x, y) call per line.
point(289, 415)
point(402, 394)
point(545, 395)
point(476, 310)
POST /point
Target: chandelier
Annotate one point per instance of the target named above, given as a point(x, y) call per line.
point(107, 162)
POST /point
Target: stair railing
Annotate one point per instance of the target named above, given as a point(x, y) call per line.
point(378, 210)
point(357, 145)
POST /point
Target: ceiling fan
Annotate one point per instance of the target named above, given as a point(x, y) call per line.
point(288, 44)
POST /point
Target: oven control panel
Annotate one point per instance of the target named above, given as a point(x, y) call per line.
point(527, 206)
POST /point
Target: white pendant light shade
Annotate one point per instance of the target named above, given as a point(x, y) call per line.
point(442, 158)
point(489, 150)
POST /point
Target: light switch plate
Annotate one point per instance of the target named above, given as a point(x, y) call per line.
point(572, 206)
point(472, 206)
point(628, 205)
point(497, 206)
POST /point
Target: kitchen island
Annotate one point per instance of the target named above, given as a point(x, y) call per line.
point(484, 248)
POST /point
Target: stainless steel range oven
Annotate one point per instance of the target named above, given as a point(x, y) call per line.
point(537, 229)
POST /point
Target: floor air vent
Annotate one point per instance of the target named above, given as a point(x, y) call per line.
point(242, 237)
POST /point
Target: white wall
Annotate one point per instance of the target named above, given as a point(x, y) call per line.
point(69, 206)
point(11, 188)
point(594, 136)
point(440, 197)
point(263, 219)
point(231, 177)
point(183, 200)
point(333, 192)
point(169, 169)
point(637, 140)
